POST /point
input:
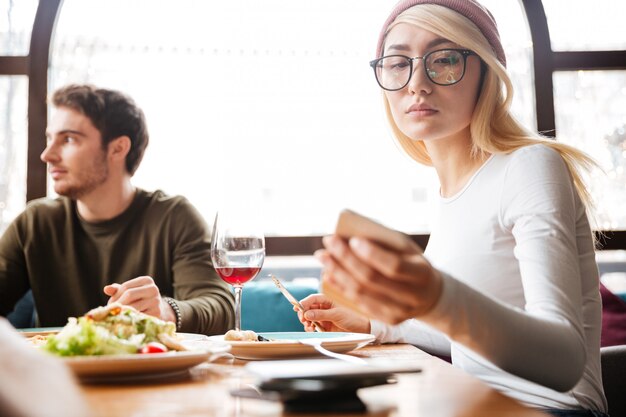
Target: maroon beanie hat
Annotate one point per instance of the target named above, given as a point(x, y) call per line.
point(471, 9)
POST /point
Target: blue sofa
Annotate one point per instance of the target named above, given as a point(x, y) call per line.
point(265, 309)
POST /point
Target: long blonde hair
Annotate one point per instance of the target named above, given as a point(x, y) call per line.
point(493, 128)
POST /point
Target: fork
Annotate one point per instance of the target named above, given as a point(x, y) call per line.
point(294, 301)
point(317, 345)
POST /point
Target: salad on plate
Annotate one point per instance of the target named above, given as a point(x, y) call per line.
point(114, 329)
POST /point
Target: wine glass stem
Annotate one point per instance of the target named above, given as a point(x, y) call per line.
point(238, 289)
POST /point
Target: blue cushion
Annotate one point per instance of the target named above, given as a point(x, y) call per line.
point(265, 309)
point(23, 314)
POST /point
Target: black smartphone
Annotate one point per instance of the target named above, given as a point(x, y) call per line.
point(319, 395)
point(320, 385)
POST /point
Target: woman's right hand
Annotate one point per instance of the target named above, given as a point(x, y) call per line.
point(330, 316)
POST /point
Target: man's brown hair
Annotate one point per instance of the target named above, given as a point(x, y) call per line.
point(113, 113)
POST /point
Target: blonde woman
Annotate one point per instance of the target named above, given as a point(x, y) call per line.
point(508, 285)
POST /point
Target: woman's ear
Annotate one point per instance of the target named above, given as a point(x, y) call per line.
point(119, 148)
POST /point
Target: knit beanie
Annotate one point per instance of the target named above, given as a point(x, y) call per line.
point(471, 9)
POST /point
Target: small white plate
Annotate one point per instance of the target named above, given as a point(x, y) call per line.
point(287, 345)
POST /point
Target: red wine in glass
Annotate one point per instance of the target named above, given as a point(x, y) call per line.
point(237, 252)
point(237, 276)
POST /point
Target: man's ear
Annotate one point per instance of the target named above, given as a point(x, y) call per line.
point(119, 148)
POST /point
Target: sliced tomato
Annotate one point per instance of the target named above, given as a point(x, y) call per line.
point(153, 347)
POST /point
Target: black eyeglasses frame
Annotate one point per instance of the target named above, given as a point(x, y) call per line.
point(464, 52)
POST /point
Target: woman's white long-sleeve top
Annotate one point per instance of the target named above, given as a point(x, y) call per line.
point(520, 307)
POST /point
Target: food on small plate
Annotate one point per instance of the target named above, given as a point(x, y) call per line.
point(243, 336)
point(114, 329)
point(38, 340)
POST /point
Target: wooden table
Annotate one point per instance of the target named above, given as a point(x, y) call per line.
point(439, 391)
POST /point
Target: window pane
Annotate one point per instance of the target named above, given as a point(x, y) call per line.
point(270, 103)
point(582, 25)
point(517, 44)
point(16, 24)
point(590, 115)
point(13, 140)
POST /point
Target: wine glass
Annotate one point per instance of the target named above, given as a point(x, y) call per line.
point(237, 251)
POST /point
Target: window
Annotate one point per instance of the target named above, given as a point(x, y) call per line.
point(589, 109)
point(277, 103)
point(16, 24)
point(12, 147)
point(16, 21)
point(579, 25)
point(266, 103)
point(589, 103)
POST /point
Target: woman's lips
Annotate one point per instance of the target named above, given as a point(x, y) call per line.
point(421, 110)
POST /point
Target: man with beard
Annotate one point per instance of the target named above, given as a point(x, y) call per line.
point(104, 240)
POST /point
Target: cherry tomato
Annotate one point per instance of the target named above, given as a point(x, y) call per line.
point(153, 347)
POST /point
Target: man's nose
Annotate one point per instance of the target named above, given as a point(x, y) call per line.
point(49, 154)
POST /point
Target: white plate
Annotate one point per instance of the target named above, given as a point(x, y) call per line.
point(286, 345)
point(108, 365)
point(137, 365)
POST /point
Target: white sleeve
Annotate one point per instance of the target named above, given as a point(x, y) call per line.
point(543, 342)
point(414, 333)
point(28, 373)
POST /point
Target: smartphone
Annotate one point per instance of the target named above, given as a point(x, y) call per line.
point(320, 385)
point(312, 396)
point(352, 224)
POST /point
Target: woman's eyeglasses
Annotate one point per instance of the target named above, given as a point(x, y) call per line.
point(442, 67)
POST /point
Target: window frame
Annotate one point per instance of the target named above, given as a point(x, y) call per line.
point(545, 62)
point(35, 67)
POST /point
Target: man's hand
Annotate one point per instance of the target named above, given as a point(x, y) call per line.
point(142, 294)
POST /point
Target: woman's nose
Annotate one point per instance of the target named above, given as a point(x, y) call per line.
point(419, 82)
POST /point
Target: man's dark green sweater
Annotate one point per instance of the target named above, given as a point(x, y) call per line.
point(67, 261)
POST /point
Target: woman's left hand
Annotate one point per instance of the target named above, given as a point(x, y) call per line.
point(388, 285)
